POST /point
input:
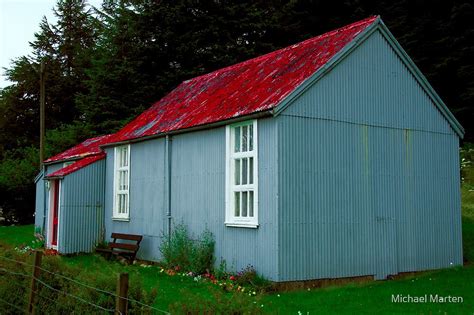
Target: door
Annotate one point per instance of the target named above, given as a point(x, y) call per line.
point(55, 213)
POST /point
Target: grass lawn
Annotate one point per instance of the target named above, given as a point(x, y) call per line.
point(373, 297)
point(17, 235)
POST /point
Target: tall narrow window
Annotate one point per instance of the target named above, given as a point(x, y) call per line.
point(121, 182)
point(242, 175)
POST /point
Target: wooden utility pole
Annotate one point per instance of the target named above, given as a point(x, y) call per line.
point(121, 302)
point(42, 105)
point(36, 273)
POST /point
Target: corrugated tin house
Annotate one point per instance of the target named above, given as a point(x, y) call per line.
point(70, 198)
point(330, 158)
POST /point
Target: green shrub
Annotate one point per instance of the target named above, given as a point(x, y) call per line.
point(221, 272)
point(202, 258)
point(180, 251)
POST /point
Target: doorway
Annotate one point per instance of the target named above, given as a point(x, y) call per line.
point(54, 213)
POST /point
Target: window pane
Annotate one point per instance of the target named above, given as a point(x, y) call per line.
point(244, 203)
point(237, 204)
point(120, 204)
point(237, 139)
point(244, 171)
point(125, 180)
point(250, 203)
point(125, 206)
point(125, 156)
point(251, 170)
point(244, 138)
point(251, 137)
point(119, 180)
point(237, 171)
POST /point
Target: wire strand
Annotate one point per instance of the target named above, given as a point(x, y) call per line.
point(73, 296)
point(12, 305)
point(15, 273)
point(44, 297)
point(86, 285)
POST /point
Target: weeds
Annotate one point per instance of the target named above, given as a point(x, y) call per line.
point(182, 253)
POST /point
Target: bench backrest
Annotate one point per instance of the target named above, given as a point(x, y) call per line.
point(132, 247)
point(128, 237)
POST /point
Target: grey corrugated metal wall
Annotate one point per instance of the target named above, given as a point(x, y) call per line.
point(81, 214)
point(368, 173)
point(198, 196)
point(146, 196)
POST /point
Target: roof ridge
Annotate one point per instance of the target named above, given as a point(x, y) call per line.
point(279, 51)
point(255, 85)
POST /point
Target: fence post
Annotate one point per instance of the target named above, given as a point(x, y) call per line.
point(121, 303)
point(36, 272)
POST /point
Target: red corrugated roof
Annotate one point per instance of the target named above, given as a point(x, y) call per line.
point(77, 165)
point(88, 147)
point(249, 87)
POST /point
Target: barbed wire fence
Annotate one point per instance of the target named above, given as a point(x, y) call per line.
point(37, 285)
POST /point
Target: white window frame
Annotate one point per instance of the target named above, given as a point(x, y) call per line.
point(116, 215)
point(230, 188)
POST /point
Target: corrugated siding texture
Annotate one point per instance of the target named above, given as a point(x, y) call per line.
point(39, 203)
point(198, 196)
point(372, 86)
point(81, 214)
point(368, 173)
point(147, 214)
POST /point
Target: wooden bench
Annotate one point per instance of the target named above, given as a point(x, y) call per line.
point(126, 250)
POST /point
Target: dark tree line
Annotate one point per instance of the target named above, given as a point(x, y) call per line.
point(105, 65)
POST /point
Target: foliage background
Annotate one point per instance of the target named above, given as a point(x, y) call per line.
point(105, 65)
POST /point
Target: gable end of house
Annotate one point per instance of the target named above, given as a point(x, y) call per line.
point(377, 27)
